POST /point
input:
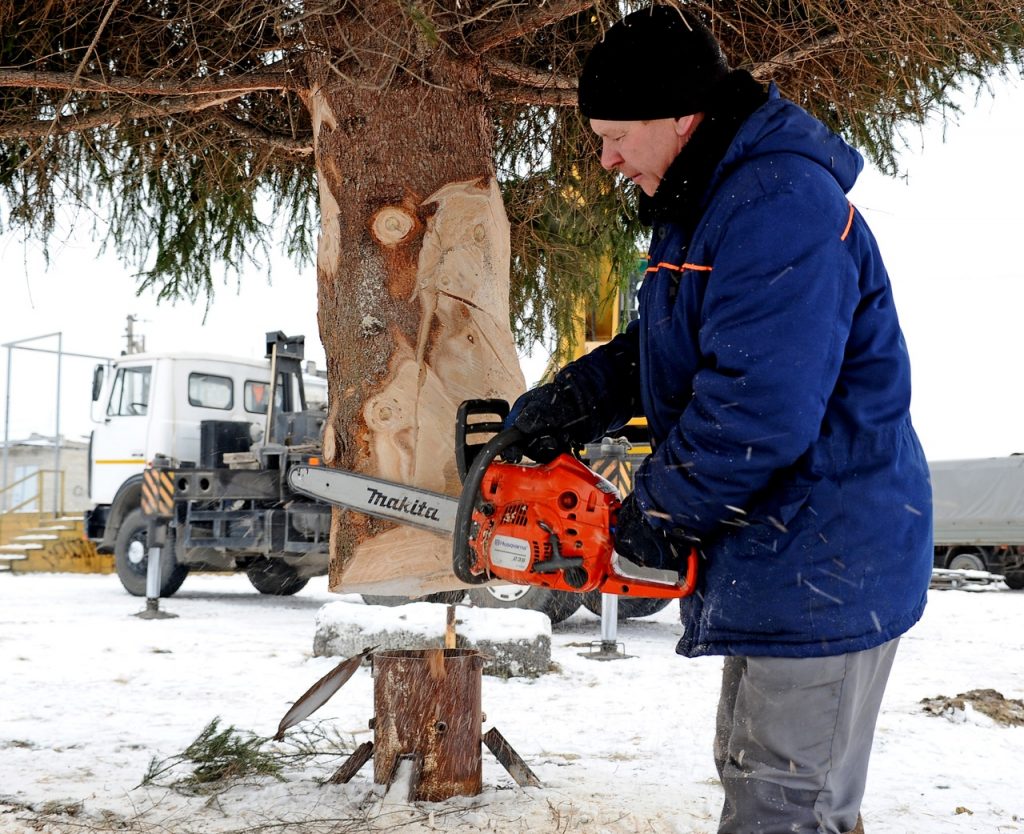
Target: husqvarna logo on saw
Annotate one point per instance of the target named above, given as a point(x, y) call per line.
point(511, 553)
point(416, 509)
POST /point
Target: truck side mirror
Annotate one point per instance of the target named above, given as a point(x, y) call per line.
point(97, 382)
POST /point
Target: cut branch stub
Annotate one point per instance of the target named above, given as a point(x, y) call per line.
point(391, 225)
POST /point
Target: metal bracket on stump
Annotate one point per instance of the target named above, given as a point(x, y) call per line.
point(509, 759)
point(158, 507)
point(504, 752)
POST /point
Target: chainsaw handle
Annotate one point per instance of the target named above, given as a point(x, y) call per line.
point(484, 457)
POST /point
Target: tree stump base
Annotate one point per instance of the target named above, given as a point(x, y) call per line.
point(428, 711)
point(427, 703)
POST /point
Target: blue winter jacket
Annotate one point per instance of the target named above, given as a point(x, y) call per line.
point(776, 385)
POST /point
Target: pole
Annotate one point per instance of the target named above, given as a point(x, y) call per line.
point(609, 621)
point(7, 426)
point(608, 458)
point(156, 540)
point(56, 433)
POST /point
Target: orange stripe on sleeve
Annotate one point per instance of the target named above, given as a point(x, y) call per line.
point(849, 224)
point(683, 268)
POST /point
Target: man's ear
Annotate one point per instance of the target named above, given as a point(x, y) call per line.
point(684, 124)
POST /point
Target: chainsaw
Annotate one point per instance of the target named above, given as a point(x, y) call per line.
point(548, 524)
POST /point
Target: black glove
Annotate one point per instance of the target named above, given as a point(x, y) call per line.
point(637, 540)
point(554, 417)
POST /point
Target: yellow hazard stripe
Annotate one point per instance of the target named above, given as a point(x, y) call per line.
point(157, 492)
point(619, 472)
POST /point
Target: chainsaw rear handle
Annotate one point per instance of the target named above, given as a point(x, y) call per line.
point(482, 458)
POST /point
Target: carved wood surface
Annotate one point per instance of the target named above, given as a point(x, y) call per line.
point(463, 350)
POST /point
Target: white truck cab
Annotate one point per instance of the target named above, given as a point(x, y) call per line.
point(183, 413)
point(153, 404)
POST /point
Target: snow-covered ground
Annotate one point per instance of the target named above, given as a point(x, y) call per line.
point(89, 695)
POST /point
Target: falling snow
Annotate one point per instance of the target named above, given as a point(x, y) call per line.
point(90, 694)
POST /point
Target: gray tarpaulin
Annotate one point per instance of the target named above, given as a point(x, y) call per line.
point(978, 501)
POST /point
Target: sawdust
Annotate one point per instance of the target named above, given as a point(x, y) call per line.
point(1006, 711)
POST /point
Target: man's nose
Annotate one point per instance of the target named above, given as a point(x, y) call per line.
point(610, 157)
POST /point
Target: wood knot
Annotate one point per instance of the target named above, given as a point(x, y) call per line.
point(391, 225)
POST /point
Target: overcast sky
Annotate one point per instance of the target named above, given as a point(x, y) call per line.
point(949, 229)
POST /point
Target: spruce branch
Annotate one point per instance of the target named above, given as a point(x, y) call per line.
point(532, 96)
point(526, 76)
point(516, 26)
point(254, 82)
point(277, 141)
point(112, 116)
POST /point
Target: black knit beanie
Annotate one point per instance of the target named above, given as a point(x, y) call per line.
point(656, 63)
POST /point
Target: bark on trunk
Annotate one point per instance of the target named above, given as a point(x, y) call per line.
point(412, 267)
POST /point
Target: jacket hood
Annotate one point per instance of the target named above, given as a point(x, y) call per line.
point(780, 126)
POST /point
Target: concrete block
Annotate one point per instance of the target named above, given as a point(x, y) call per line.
point(514, 643)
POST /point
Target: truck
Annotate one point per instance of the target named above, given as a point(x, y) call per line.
point(978, 510)
point(224, 431)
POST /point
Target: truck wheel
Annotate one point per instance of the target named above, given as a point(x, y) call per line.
point(446, 597)
point(275, 577)
point(1014, 579)
point(967, 560)
point(558, 605)
point(131, 558)
point(443, 597)
point(629, 607)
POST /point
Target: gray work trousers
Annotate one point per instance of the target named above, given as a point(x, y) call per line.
point(793, 739)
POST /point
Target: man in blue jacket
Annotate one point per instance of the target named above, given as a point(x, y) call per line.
point(771, 369)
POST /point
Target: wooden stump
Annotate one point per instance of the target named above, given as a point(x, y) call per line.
point(427, 704)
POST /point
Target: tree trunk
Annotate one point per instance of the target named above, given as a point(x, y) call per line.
point(413, 271)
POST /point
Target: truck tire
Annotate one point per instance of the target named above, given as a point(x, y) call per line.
point(275, 577)
point(558, 605)
point(131, 558)
point(1014, 579)
point(967, 560)
point(629, 607)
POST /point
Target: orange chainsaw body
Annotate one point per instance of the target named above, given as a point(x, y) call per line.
point(551, 525)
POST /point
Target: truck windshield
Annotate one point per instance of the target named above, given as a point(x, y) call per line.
point(129, 395)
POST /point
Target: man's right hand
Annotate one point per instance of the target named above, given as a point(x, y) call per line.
point(552, 417)
point(640, 542)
